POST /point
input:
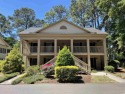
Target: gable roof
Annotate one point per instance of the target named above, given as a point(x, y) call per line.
point(39, 29)
point(5, 43)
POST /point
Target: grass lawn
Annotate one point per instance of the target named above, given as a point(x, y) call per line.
point(121, 75)
point(101, 79)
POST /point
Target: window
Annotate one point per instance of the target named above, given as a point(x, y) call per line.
point(2, 50)
point(63, 27)
point(33, 61)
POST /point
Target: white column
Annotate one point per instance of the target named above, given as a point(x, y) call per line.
point(105, 52)
point(55, 47)
point(38, 52)
point(21, 46)
point(88, 52)
point(71, 45)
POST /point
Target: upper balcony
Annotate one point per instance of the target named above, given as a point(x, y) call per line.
point(76, 49)
point(79, 46)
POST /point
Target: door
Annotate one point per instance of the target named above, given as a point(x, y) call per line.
point(93, 63)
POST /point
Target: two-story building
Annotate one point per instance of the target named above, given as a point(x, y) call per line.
point(4, 49)
point(39, 45)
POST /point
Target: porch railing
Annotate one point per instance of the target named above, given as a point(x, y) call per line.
point(80, 49)
point(33, 49)
point(96, 49)
point(59, 48)
point(76, 49)
point(46, 48)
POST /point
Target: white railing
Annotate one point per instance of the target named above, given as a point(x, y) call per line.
point(49, 64)
point(46, 48)
point(96, 49)
point(33, 49)
point(76, 49)
point(82, 65)
point(59, 48)
point(80, 49)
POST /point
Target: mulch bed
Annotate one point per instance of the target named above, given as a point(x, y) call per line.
point(84, 79)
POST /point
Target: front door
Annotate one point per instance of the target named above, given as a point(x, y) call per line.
point(93, 63)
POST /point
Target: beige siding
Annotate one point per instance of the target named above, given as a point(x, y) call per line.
point(70, 29)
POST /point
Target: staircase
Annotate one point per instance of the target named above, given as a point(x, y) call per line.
point(49, 64)
point(82, 65)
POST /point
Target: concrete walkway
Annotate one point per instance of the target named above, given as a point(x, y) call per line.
point(8, 82)
point(117, 79)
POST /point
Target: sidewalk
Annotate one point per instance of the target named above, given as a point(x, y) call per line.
point(8, 82)
point(117, 79)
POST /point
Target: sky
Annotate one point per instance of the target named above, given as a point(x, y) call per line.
point(40, 7)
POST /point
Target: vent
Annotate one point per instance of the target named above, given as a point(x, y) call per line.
point(63, 27)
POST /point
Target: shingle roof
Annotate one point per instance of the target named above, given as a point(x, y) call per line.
point(97, 31)
point(37, 29)
point(31, 30)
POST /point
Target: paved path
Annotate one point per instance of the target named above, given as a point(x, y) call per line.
point(8, 82)
point(116, 88)
point(117, 79)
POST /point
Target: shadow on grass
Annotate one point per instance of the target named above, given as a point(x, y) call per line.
point(120, 70)
point(77, 80)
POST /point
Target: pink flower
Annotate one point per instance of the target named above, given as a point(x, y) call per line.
point(46, 65)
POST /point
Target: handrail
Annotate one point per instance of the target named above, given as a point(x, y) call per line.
point(46, 48)
point(80, 49)
point(98, 49)
point(82, 64)
point(50, 62)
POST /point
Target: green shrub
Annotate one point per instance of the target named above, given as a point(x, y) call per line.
point(17, 81)
point(48, 71)
point(109, 69)
point(66, 73)
point(33, 70)
point(114, 63)
point(29, 80)
point(13, 62)
point(32, 79)
point(7, 77)
point(64, 58)
point(1, 64)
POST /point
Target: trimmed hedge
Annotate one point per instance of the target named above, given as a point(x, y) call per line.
point(66, 73)
point(7, 77)
point(17, 81)
point(32, 79)
point(109, 69)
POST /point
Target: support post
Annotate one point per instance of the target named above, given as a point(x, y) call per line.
point(88, 52)
point(71, 45)
point(38, 52)
point(55, 47)
point(105, 52)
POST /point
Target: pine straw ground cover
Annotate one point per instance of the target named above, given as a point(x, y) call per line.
point(84, 79)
